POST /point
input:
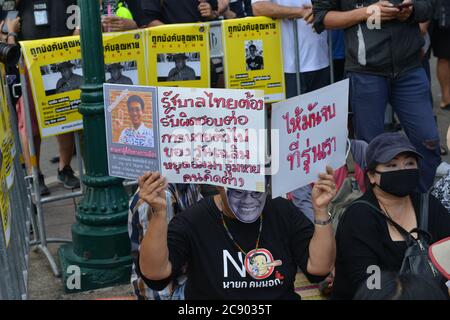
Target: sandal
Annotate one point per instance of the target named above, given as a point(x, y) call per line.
point(447, 107)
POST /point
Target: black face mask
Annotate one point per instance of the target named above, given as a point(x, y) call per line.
point(399, 183)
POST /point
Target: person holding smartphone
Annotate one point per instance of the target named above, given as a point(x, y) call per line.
point(383, 43)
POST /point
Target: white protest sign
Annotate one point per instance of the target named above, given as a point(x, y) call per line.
point(212, 136)
point(310, 132)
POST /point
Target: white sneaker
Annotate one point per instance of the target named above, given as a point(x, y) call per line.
point(443, 169)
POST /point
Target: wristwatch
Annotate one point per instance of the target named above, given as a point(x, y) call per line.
point(324, 223)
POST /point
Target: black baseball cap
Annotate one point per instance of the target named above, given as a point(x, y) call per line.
point(386, 146)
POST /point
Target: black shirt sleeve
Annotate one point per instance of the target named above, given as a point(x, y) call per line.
point(300, 233)
point(320, 9)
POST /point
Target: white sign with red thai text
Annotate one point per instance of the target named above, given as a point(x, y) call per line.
point(310, 132)
point(213, 136)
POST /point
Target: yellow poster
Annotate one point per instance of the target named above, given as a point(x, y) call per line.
point(6, 159)
point(178, 55)
point(125, 61)
point(56, 76)
point(253, 56)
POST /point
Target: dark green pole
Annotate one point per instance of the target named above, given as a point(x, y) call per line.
point(101, 247)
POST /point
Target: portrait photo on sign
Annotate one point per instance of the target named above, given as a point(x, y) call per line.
point(178, 66)
point(62, 77)
point(254, 58)
point(132, 118)
point(125, 72)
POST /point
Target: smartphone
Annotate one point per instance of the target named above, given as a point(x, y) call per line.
point(11, 16)
point(402, 6)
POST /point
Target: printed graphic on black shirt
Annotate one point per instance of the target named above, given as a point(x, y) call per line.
point(259, 263)
point(254, 55)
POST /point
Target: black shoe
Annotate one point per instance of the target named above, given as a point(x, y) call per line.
point(45, 191)
point(67, 177)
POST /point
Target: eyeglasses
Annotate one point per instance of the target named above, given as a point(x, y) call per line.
point(241, 194)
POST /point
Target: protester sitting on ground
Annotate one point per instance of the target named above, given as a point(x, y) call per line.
point(401, 287)
point(182, 197)
point(364, 236)
point(383, 64)
point(220, 237)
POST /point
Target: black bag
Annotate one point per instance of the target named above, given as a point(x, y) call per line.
point(416, 259)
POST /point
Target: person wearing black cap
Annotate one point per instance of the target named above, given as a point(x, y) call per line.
point(364, 237)
point(69, 81)
point(181, 72)
point(116, 74)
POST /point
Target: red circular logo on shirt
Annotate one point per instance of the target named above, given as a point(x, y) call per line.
point(259, 263)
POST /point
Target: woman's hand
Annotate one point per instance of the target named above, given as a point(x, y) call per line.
point(153, 190)
point(323, 192)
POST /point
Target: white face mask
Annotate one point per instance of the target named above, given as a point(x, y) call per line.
point(246, 206)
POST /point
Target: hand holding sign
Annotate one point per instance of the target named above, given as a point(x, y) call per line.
point(324, 191)
point(152, 190)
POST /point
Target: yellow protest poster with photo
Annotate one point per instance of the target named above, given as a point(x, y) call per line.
point(253, 56)
point(6, 163)
point(6, 135)
point(56, 75)
point(125, 58)
point(178, 55)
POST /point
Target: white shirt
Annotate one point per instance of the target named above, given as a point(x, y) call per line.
point(313, 47)
point(142, 137)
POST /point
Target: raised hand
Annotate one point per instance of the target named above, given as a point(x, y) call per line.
point(152, 190)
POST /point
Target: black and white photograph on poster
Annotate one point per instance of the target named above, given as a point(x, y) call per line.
point(122, 73)
point(178, 66)
point(62, 77)
point(254, 55)
point(131, 118)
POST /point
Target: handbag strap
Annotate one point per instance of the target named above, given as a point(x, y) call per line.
point(424, 206)
point(402, 231)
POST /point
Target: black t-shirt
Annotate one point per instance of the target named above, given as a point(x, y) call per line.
point(216, 269)
point(363, 239)
point(57, 18)
point(173, 11)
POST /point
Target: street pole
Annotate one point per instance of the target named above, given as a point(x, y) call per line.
point(101, 247)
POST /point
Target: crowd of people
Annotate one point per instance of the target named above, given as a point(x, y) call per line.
point(198, 242)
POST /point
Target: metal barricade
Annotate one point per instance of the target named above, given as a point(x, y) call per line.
point(14, 248)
